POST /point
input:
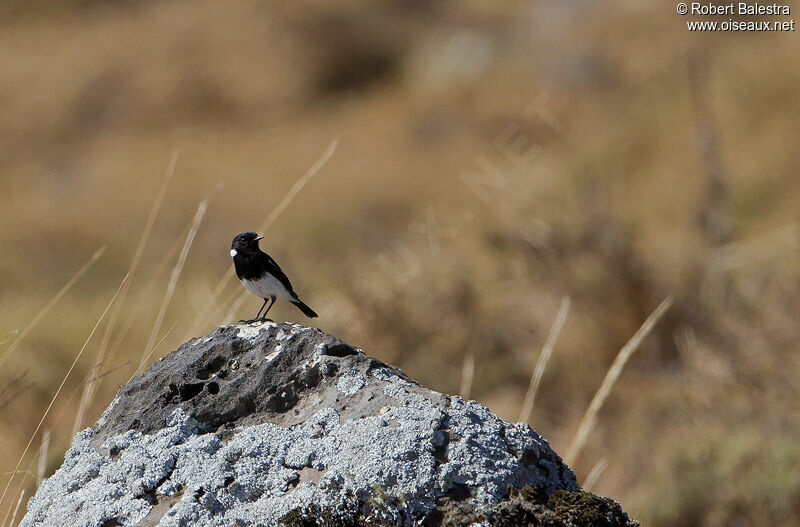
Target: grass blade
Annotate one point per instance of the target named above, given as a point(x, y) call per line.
point(544, 357)
point(594, 474)
point(53, 301)
point(590, 416)
point(467, 375)
point(173, 281)
point(42, 458)
point(90, 388)
point(158, 344)
point(19, 502)
point(60, 387)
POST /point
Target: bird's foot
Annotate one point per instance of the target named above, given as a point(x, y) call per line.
point(254, 320)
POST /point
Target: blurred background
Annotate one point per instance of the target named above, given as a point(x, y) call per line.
point(491, 161)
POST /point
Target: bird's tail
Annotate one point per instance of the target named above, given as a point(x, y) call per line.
point(307, 311)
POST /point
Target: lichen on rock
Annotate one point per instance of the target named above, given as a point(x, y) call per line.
point(251, 425)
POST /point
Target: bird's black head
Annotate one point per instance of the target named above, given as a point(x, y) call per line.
point(245, 243)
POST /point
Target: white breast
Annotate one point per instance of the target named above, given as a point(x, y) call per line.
point(266, 287)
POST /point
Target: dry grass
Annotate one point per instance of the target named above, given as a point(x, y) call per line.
point(16, 509)
point(594, 474)
point(589, 419)
point(58, 391)
point(173, 281)
point(541, 362)
point(90, 387)
point(53, 301)
point(639, 174)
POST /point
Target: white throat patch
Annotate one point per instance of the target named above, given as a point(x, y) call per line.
point(233, 253)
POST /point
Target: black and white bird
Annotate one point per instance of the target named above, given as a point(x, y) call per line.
point(261, 275)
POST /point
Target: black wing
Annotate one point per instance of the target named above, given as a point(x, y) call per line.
point(272, 267)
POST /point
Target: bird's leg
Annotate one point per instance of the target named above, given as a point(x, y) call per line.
point(257, 314)
point(272, 298)
point(259, 310)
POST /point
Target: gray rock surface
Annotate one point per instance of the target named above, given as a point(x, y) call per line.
point(251, 422)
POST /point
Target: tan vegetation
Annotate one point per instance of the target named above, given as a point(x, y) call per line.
point(490, 161)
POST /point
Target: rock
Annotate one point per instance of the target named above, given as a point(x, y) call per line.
point(255, 425)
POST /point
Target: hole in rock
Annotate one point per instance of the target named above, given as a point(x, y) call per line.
point(530, 457)
point(440, 452)
point(283, 401)
point(458, 492)
point(340, 350)
point(213, 388)
point(188, 391)
point(211, 368)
